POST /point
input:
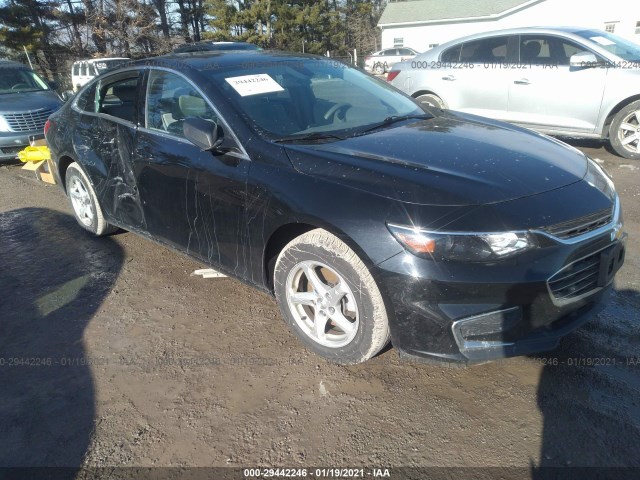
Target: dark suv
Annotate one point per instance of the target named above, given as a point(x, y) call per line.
point(26, 101)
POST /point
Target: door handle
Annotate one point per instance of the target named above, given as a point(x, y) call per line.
point(449, 78)
point(522, 81)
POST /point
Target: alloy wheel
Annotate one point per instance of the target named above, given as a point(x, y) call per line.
point(322, 304)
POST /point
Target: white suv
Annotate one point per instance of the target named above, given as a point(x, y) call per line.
point(84, 70)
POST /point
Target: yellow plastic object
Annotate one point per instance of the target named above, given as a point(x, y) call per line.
point(34, 154)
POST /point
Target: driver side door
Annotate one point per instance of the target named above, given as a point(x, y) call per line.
point(193, 199)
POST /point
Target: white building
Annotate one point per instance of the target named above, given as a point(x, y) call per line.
point(423, 24)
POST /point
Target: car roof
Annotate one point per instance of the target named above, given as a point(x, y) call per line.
point(222, 59)
point(568, 31)
point(12, 64)
point(516, 31)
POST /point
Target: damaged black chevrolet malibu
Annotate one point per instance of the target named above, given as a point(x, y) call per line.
point(371, 220)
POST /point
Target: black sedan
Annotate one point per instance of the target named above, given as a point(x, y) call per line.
point(369, 218)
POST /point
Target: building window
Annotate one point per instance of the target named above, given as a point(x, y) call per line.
point(637, 28)
point(398, 42)
point(610, 27)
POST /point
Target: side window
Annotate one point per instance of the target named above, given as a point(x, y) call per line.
point(87, 99)
point(547, 50)
point(569, 49)
point(118, 98)
point(452, 55)
point(487, 50)
point(171, 99)
point(83, 69)
point(76, 69)
point(406, 51)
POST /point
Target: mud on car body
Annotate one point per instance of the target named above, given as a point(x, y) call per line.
point(368, 217)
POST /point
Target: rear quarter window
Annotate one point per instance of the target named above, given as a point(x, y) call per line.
point(87, 99)
point(451, 55)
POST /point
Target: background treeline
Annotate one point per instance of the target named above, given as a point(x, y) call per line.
point(57, 32)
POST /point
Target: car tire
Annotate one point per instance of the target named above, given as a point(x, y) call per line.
point(84, 202)
point(431, 100)
point(625, 127)
point(320, 285)
point(378, 69)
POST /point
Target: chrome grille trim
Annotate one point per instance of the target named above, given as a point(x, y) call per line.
point(582, 225)
point(27, 121)
point(615, 225)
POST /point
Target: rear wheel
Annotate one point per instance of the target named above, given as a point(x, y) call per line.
point(329, 298)
point(84, 202)
point(378, 69)
point(624, 133)
point(431, 100)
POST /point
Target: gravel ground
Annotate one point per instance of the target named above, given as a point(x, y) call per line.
point(112, 354)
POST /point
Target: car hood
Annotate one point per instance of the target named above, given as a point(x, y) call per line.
point(29, 101)
point(452, 159)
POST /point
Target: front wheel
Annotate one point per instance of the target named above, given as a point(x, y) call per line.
point(624, 133)
point(84, 202)
point(378, 69)
point(329, 298)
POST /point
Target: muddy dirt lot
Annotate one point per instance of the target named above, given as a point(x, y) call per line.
point(112, 354)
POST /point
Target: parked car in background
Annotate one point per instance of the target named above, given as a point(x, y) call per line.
point(26, 101)
point(208, 45)
point(369, 218)
point(382, 61)
point(84, 70)
point(560, 81)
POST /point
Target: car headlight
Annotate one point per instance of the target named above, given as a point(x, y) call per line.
point(599, 178)
point(462, 247)
point(4, 126)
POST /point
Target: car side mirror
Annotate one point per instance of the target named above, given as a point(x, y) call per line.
point(584, 60)
point(204, 134)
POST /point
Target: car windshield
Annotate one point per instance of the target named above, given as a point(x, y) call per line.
point(307, 97)
point(616, 45)
point(19, 80)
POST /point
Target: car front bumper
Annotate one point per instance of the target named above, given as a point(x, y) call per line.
point(13, 142)
point(471, 313)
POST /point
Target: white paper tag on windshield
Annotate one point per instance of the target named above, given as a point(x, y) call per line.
point(254, 84)
point(605, 42)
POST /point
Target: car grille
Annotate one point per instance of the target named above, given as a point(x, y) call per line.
point(577, 279)
point(10, 150)
point(26, 122)
point(582, 225)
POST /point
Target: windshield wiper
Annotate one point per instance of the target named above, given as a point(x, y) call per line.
point(397, 118)
point(309, 137)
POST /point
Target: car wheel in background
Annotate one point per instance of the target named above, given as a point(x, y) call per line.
point(378, 69)
point(84, 203)
point(624, 133)
point(431, 100)
point(329, 298)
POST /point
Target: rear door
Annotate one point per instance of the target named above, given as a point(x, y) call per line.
point(104, 139)
point(193, 200)
point(546, 93)
point(479, 83)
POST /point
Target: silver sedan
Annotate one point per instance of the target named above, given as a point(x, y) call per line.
point(570, 82)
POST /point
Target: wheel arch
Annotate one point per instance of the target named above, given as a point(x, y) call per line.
point(283, 234)
point(614, 111)
point(425, 91)
point(63, 165)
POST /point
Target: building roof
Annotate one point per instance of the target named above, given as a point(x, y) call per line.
point(427, 11)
